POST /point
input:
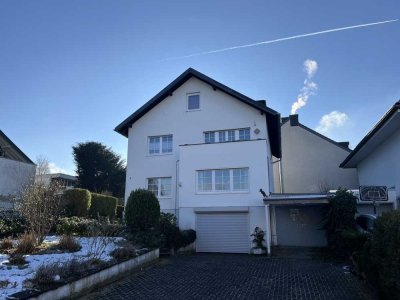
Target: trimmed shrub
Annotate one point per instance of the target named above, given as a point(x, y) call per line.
point(69, 244)
point(103, 206)
point(379, 259)
point(76, 202)
point(142, 211)
point(26, 244)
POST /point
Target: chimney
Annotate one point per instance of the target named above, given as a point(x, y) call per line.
point(262, 102)
point(344, 144)
point(294, 120)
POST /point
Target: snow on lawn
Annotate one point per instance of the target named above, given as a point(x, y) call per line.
point(16, 275)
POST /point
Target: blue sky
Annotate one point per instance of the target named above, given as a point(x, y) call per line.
point(70, 71)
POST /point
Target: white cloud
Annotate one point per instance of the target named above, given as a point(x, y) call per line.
point(53, 168)
point(332, 120)
point(311, 67)
point(309, 87)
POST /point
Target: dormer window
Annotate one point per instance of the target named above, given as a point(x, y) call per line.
point(193, 101)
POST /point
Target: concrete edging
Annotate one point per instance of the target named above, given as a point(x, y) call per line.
point(77, 287)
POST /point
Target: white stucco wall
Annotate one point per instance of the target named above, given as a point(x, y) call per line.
point(219, 111)
point(14, 175)
point(310, 163)
point(249, 154)
point(382, 165)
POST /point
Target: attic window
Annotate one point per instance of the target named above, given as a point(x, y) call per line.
point(193, 101)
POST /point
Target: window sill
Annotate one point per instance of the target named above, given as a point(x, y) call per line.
point(163, 198)
point(159, 154)
point(189, 110)
point(219, 193)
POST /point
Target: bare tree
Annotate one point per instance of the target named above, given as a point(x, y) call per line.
point(42, 167)
point(41, 207)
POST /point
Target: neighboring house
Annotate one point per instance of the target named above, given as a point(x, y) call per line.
point(310, 161)
point(66, 181)
point(377, 156)
point(16, 170)
point(205, 151)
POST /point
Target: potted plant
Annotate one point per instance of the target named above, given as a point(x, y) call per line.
point(258, 239)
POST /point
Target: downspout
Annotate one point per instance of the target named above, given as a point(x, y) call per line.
point(268, 228)
point(177, 189)
point(279, 161)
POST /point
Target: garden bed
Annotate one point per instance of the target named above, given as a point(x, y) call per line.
point(15, 280)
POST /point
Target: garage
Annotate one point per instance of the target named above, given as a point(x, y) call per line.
point(225, 232)
point(299, 226)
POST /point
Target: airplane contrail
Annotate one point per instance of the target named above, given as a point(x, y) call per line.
point(279, 40)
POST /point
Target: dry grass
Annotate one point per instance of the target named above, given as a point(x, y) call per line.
point(26, 244)
point(69, 243)
point(6, 243)
point(17, 259)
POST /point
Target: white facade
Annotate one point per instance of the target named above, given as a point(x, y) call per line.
point(190, 154)
point(14, 175)
point(376, 157)
point(310, 162)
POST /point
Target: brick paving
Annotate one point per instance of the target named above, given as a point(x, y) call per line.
point(225, 276)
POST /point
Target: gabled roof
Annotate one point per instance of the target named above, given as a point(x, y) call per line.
point(376, 131)
point(272, 117)
point(11, 151)
point(294, 121)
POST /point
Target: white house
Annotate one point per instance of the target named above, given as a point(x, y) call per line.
point(16, 170)
point(377, 156)
point(205, 150)
point(310, 161)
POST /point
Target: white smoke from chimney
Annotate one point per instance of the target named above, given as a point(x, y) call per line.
point(309, 88)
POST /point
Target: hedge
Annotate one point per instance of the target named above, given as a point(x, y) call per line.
point(76, 202)
point(379, 259)
point(104, 206)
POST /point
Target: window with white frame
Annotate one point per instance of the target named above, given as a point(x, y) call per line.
point(160, 186)
point(244, 134)
point(230, 135)
point(223, 180)
point(193, 101)
point(209, 137)
point(160, 144)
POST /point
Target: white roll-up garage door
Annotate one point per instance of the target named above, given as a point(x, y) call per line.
point(222, 232)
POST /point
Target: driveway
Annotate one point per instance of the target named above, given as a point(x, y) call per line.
point(225, 276)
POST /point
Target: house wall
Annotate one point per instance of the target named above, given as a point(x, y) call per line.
point(218, 111)
point(310, 164)
point(14, 175)
point(382, 165)
point(249, 154)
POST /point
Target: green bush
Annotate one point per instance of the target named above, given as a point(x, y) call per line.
point(187, 237)
point(169, 231)
point(103, 206)
point(11, 223)
point(345, 242)
point(75, 226)
point(142, 211)
point(76, 202)
point(380, 257)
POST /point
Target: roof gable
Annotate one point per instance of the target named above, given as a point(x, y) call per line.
point(350, 161)
point(11, 151)
point(294, 121)
point(272, 117)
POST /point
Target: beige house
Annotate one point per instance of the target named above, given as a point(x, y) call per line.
point(310, 161)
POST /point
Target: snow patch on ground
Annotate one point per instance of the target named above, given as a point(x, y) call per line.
point(16, 275)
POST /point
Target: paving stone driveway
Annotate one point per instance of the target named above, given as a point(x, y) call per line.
point(225, 276)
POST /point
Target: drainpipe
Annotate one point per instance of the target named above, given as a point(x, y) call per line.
point(176, 189)
point(268, 228)
point(279, 161)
